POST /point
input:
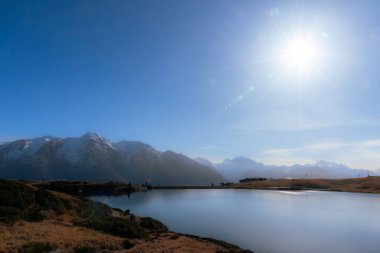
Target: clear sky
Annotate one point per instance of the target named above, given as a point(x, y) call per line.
point(281, 82)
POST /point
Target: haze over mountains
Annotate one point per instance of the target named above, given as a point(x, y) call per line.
point(92, 157)
point(242, 167)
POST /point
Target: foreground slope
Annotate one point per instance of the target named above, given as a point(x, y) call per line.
point(34, 220)
point(92, 157)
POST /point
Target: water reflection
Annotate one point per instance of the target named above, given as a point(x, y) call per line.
point(266, 221)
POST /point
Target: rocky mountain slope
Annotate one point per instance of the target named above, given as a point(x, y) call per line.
point(92, 157)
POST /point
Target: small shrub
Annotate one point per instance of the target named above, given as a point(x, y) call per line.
point(174, 237)
point(115, 226)
point(9, 214)
point(19, 201)
point(221, 251)
point(127, 244)
point(93, 210)
point(36, 247)
point(48, 200)
point(67, 204)
point(84, 249)
point(15, 194)
point(35, 215)
point(153, 225)
point(117, 210)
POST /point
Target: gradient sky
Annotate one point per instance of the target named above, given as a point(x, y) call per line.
point(199, 77)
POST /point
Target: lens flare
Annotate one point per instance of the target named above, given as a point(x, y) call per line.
point(301, 53)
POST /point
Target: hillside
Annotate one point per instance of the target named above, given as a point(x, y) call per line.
point(34, 220)
point(94, 158)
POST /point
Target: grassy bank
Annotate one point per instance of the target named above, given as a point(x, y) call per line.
point(36, 219)
point(364, 185)
point(80, 188)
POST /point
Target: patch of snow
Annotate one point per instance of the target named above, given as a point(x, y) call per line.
point(27, 144)
point(25, 147)
point(35, 144)
point(74, 148)
point(101, 143)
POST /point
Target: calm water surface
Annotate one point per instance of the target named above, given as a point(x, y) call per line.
point(266, 221)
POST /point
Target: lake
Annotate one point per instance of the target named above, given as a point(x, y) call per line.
point(265, 221)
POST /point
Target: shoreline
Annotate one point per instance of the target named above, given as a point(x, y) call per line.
point(34, 219)
point(354, 185)
point(80, 222)
point(80, 188)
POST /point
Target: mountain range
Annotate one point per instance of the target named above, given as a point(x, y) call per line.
point(94, 158)
point(242, 167)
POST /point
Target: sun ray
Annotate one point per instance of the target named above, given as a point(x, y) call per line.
point(329, 83)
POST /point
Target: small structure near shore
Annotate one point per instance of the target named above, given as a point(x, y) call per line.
point(251, 179)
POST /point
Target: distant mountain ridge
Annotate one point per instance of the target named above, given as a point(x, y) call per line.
point(242, 167)
point(92, 157)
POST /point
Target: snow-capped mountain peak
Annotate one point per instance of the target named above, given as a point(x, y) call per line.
point(95, 138)
point(93, 157)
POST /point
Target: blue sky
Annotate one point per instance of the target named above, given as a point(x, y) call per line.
point(204, 78)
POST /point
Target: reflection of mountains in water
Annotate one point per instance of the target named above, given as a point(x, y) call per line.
point(137, 199)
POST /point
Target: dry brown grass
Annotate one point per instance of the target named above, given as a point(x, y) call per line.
point(365, 185)
point(76, 226)
point(64, 235)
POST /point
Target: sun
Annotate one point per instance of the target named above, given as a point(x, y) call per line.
point(301, 53)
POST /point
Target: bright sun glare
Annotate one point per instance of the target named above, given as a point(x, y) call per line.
point(301, 53)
